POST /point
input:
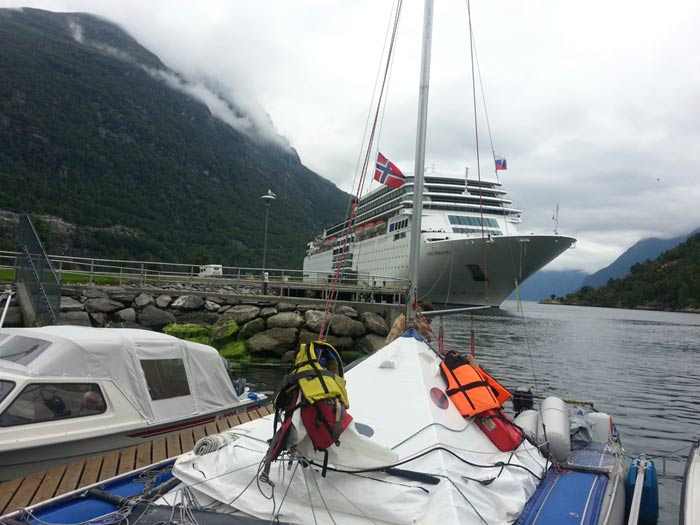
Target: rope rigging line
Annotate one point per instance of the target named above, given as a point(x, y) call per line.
point(346, 234)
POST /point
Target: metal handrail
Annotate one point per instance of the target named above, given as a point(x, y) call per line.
point(129, 269)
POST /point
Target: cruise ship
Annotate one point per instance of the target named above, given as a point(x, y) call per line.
point(471, 251)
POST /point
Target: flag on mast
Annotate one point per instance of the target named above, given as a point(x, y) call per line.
point(501, 164)
point(388, 173)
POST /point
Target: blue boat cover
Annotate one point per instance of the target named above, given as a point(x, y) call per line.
point(566, 497)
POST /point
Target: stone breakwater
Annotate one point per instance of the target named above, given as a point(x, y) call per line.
point(242, 328)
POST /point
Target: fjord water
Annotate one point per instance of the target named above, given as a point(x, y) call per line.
point(641, 367)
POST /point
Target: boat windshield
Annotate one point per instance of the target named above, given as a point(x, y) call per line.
point(5, 388)
point(20, 349)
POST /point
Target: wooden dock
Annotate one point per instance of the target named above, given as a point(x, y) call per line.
point(41, 486)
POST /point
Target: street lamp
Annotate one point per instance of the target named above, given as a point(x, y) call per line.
point(267, 199)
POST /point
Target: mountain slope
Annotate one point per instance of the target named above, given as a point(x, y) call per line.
point(646, 249)
point(670, 282)
point(97, 131)
point(545, 283)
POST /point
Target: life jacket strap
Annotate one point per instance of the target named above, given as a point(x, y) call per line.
point(464, 388)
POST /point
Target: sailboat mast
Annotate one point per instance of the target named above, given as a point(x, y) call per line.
point(415, 241)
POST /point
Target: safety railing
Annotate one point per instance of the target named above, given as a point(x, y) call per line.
point(118, 271)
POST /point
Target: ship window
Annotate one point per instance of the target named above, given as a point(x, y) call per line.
point(20, 349)
point(165, 378)
point(40, 402)
point(472, 221)
point(5, 388)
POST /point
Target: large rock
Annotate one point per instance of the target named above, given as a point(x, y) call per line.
point(306, 307)
point(274, 340)
point(68, 304)
point(143, 299)
point(211, 306)
point(268, 311)
point(347, 310)
point(102, 305)
point(75, 319)
point(154, 317)
point(196, 316)
point(123, 296)
point(375, 323)
point(370, 343)
point(285, 320)
point(98, 319)
point(286, 307)
point(188, 302)
point(224, 331)
point(343, 325)
point(127, 315)
point(314, 319)
point(253, 327)
point(163, 301)
point(339, 343)
point(242, 313)
point(91, 292)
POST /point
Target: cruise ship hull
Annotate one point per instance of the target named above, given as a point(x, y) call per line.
point(483, 271)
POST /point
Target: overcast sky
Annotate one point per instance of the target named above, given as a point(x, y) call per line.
point(596, 105)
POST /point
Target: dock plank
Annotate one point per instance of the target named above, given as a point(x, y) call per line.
point(7, 492)
point(91, 471)
point(50, 483)
point(198, 433)
point(109, 465)
point(222, 424)
point(39, 487)
point(71, 478)
point(26, 491)
point(210, 428)
point(159, 453)
point(186, 439)
point(143, 454)
point(127, 459)
point(172, 442)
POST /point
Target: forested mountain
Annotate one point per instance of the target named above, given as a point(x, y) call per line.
point(122, 159)
point(670, 282)
point(641, 251)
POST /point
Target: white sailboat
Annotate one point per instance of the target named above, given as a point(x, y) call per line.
point(410, 456)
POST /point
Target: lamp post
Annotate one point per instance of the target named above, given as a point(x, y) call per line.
point(267, 199)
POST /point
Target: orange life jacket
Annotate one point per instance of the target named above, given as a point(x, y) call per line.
point(468, 386)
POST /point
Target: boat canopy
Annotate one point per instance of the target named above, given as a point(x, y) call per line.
point(163, 377)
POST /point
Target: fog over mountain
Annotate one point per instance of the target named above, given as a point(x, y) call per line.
point(594, 109)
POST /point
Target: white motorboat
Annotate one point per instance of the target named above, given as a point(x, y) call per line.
point(68, 392)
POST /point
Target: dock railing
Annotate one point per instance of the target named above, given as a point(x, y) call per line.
point(71, 269)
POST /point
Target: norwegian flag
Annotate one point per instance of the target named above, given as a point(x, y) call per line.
point(501, 164)
point(387, 173)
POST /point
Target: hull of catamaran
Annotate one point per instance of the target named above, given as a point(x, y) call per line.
point(690, 495)
point(458, 270)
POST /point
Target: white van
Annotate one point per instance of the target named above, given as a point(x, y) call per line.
point(211, 270)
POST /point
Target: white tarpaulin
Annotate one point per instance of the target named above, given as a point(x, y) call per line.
point(392, 403)
point(116, 354)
